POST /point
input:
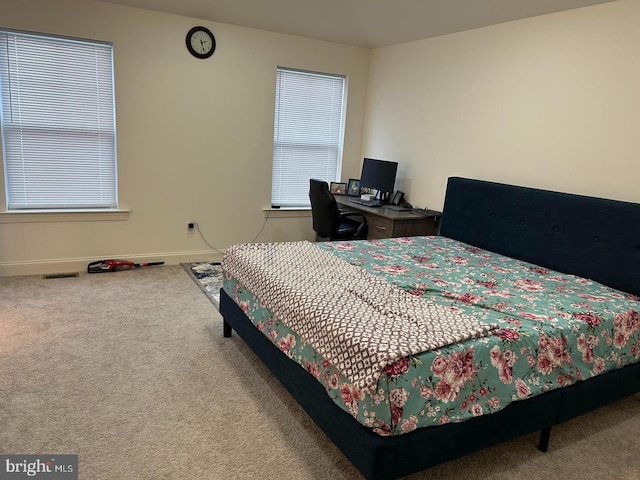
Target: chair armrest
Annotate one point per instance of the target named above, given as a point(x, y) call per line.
point(363, 219)
point(354, 214)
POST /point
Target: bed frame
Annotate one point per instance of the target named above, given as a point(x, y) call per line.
point(591, 237)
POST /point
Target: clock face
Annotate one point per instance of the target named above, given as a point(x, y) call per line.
point(201, 42)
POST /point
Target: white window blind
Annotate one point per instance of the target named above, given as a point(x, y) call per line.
point(308, 133)
point(58, 123)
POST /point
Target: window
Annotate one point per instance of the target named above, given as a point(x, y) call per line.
point(308, 133)
point(58, 123)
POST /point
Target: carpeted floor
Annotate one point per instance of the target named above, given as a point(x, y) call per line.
point(131, 372)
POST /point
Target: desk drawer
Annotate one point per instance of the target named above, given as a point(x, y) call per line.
point(380, 227)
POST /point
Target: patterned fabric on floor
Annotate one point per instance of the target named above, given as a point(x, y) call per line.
point(208, 276)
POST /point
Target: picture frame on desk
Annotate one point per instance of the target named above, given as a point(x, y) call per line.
point(353, 188)
point(398, 198)
point(338, 188)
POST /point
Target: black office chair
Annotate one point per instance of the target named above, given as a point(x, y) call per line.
point(328, 221)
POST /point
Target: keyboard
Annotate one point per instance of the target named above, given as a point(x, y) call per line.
point(424, 212)
point(398, 208)
point(366, 203)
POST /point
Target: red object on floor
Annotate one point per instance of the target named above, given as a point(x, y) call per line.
point(112, 265)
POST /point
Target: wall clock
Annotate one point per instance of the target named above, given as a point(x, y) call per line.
point(201, 42)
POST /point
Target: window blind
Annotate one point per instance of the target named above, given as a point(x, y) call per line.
point(308, 133)
point(58, 122)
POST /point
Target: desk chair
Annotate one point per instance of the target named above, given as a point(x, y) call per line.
point(328, 221)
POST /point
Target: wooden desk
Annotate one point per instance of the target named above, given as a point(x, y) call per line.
point(386, 223)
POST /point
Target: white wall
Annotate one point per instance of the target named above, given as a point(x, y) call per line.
point(195, 137)
point(549, 102)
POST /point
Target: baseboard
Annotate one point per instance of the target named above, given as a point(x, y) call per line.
point(79, 264)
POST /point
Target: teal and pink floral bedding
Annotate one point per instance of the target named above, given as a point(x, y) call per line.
point(555, 330)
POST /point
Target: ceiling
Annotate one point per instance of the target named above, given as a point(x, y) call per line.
point(365, 23)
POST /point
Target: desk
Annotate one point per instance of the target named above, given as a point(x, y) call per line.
point(386, 223)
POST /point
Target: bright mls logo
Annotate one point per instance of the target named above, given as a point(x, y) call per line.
point(42, 467)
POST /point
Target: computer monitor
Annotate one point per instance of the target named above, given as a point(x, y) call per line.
point(379, 175)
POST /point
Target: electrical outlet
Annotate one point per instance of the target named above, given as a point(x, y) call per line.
point(191, 227)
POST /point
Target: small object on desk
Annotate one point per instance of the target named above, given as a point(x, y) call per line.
point(338, 188)
point(353, 187)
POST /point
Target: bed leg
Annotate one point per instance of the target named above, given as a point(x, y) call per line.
point(226, 328)
point(543, 443)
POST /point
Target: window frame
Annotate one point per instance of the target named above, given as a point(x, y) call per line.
point(334, 142)
point(13, 211)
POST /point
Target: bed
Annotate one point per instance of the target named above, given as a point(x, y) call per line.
point(562, 242)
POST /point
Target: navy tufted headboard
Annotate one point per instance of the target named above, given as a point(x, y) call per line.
point(586, 236)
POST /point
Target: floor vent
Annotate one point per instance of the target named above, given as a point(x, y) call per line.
point(61, 275)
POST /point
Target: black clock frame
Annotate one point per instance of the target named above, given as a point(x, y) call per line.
point(190, 48)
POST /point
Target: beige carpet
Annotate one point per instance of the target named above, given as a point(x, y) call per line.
point(130, 371)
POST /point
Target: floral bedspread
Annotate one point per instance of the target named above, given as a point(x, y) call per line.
point(360, 324)
point(555, 330)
